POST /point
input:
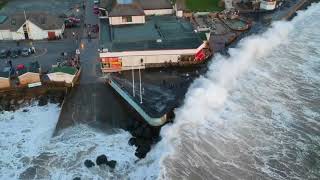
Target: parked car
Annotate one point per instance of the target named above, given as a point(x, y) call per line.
point(25, 52)
point(4, 53)
point(74, 19)
point(15, 53)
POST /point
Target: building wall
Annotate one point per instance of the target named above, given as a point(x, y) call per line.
point(35, 33)
point(29, 78)
point(179, 13)
point(5, 35)
point(4, 83)
point(135, 20)
point(61, 77)
point(268, 5)
point(158, 11)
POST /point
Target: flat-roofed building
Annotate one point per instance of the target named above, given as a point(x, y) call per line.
point(160, 40)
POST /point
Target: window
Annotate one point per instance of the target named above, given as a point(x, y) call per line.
point(127, 19)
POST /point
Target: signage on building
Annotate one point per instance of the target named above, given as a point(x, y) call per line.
point(34, 84)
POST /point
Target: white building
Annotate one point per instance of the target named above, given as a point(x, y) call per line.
point(268, 5)
point(133, 11)
point(160, 41)
point(33, 26)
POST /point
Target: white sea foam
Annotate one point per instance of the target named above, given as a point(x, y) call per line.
point(208, 104)
point(26, 143)
point(221, 128)
point(22, 135)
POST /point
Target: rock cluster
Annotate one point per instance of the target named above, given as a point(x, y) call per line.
point(13, 102)
point(144, 136)
point(101, 160)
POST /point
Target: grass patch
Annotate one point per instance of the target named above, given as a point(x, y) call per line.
point(203, 5)
point(3, 3)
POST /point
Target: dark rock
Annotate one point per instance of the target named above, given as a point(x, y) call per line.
point(12, 101)
point(132, 141)
point(53, 100)
point(112, 164)
point(88, 163)
point(138, 132)
point(12, 107)
point(142, 151)
point(147, 133)
point(102, 159)
point(29, 173)
point(77, 178)
point(21, 101)
point(142, 142)
point(25, 110)
point(43, 100)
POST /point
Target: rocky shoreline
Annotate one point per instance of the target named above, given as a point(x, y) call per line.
point(19, 100)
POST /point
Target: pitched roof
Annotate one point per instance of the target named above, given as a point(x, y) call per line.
point(133, 9)
point(181, 5)
point(41, 19)
point(154, 4)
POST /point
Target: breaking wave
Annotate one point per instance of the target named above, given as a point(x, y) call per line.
point(254, 115)
point(247, 117)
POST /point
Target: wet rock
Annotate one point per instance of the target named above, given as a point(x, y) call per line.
point(102, 159)
point(138, 132)
point(88, 163)
point(132, 141)
point(53, 100)
point(7, 106)
point(43, 100)
point(21, 101)
point(25, 110)
point(12, 107)
point(12, 101)
point(29, 173)
point(147, 133)
point(112, 164)
point(142, 151)
point(77, 178)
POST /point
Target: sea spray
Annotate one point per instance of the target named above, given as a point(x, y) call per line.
point(208, 94)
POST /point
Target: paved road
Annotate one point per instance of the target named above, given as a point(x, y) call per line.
point(47, 52)
point(92, 102)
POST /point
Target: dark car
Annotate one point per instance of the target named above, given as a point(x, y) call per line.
point(25, 52)
point(15, 53)
point(4, 53)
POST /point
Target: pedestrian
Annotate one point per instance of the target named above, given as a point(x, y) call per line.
point(89, 36)
point(10, 63)
point(18, 43)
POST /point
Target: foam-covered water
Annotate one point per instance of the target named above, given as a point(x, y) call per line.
point(28, 150)
point(254, 115)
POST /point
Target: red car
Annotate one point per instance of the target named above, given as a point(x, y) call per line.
point(73, 19)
